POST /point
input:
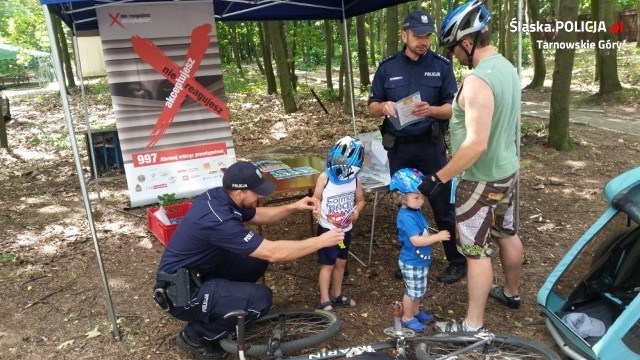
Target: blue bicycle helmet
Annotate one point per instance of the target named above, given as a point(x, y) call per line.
point(406, 180)
point(466, 19)
point(344, 160)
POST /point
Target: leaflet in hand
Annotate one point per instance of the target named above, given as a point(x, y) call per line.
point(403, 109)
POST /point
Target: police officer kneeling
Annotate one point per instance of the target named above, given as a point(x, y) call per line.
point(212, 262)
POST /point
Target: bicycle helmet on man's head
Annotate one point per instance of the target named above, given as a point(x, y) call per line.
point(406, 180)
point(466, 19)
point(344, 160)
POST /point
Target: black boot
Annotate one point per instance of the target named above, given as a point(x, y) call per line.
point(453, 273)
point(202, 349)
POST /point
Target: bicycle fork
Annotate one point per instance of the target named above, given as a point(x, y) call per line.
point(398, 331)
point(241, 316)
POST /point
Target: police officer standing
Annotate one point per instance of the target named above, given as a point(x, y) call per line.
point(419, 144)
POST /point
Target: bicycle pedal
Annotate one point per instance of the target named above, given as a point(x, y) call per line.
point(407, 333)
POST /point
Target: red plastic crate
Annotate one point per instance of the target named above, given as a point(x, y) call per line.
point(174, 212)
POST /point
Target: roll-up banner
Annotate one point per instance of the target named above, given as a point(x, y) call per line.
point(165, 77)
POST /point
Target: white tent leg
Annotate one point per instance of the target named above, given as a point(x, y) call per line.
point(349, 71)
point(76, 155)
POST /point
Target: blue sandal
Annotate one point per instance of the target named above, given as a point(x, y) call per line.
point(413, 324)
point(424, 317)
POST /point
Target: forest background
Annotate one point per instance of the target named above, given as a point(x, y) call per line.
point(280, 48)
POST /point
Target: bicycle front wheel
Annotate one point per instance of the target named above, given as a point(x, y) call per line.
point(303, 328)
point(502, 347)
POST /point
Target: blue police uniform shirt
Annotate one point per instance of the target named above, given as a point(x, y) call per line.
point(398, 77)
point(213, 240)
point(411, 222)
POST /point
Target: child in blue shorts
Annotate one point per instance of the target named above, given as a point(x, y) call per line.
point(415, 255)
point(342, 200)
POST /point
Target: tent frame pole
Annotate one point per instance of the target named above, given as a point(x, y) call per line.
point(85, 107)
point(76, 155)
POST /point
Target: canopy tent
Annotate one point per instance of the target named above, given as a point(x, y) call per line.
point(81, 15)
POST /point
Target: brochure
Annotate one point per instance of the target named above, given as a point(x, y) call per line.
point(280, 174)
point(270, 165)
point(371, 181)
point(403, 109)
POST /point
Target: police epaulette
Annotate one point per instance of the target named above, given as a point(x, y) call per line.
point(442, 57)
point(387, 59)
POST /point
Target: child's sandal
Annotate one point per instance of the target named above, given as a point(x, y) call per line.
point(342, 300)
point(326, 306)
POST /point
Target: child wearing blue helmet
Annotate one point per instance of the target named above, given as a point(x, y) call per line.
point(415, 255)
point(342, 200)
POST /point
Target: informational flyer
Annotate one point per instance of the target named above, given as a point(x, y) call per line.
point(403, 109)
point(163, 66)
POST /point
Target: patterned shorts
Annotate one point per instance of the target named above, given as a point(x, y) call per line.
point(415, 280)
point(483, 209)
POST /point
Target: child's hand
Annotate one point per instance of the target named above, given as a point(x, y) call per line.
point(444, 235)
point(316, 213)
point(354, 215)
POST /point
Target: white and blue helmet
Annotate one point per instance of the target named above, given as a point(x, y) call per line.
point(466, 19)
point(406, 180)
point(344, 160)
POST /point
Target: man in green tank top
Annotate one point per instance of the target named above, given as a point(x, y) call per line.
point(485, 160)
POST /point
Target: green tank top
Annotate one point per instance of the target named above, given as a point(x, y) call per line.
point(500, 160)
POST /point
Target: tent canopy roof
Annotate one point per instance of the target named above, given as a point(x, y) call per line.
point(83, 14)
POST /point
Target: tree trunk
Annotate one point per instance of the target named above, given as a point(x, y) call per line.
point(372, 39)
point(328, 38)
point(539, 67)
point(436, 14)
point(265, 45)
point(343, 62)
point(560, 90)
point(595, 11)
point(381, 31)
point(235, 47)
point(392, 27)
point(348, 68)
point(63, 50)
point(291, 53)
point(638, 24)
point(253, 49)
point(508, 38)
point(280, 55)
point(609, 82)
point(363, 65)
point(501, 28)
point(4, 143)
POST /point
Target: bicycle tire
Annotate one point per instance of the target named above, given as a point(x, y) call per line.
point(503, 347)
point(304, 328)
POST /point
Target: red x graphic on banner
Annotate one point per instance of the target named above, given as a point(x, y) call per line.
point(114, 20)
point(183, 78)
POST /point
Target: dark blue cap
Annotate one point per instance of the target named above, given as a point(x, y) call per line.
point(419, 22)
point(243, 175)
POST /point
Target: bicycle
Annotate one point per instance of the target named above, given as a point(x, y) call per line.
point(280, 334)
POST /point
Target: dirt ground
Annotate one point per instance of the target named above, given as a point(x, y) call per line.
point(53, 298)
